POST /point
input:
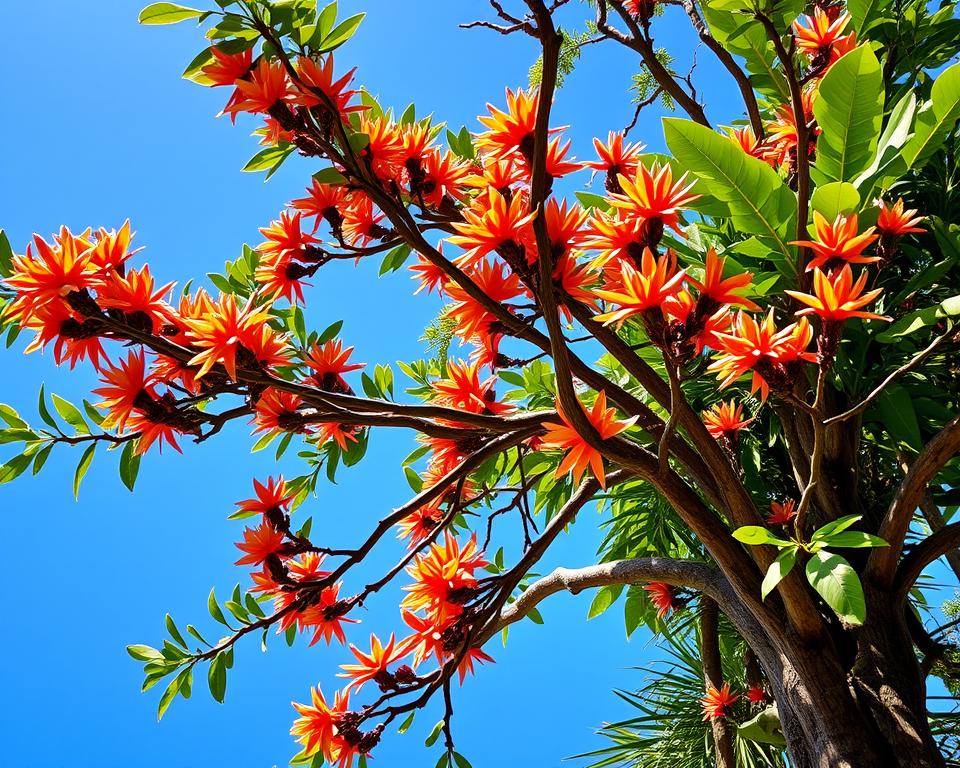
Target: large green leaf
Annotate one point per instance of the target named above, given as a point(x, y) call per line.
point(167, 13)
point(862, 12)
point(937, 119)
point(838, 584)
point(835, 198)
point(759, 202)
point(849, 109)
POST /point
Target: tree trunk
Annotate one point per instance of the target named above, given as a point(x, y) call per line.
point(870, 711)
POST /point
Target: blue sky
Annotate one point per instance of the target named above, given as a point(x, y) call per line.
point(97, 128)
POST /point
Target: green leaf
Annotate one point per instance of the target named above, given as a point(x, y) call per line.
point(898, 416)
point(329, 176)
point(605, 597)
point(434, 734)
point(759, 201)
point(838, 584)
point(268, 159)
point(756, 534)
point(167, 13)
point(461, 761)
point(168, 696)
point(174, 632)
point(217, 677)
point(6, 255)
point(144, 653)
point(937, 119)
point(849, 110)
point(853, 540)
point(129, 464)
point(71, 414)
point(341, 33)
point(82, 468)
point(14, 468)
point(835, 198)
point(778, 570)
point(835, 526)
point(408, 721)
point(330, 332)
point(214, 609)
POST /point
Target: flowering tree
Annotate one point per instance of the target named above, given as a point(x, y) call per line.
point(772, 426)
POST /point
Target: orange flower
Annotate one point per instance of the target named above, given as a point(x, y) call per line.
point(747, 140)
point(463, 390)
point(227, 68)
point(259, 543)
point(838, 240)
point(278, 410)
point(725, 419)
point(617, 237)
point(427, 641)
point(429, 274)
point(837, 297)
point(652, 194)
point(716, 704)
point(565, 225)
point(895, 221)
point(443, 178)
point(489, 223)
point(111, 248)
point(556, 166)
point(57, 270)
point(284, 236)
point(782, 514)
point(325, 617)
point(472, 317)
point(615, 158)
point(267, 85)
point(439, 574)
point(270, 496)
point(134, 294)
point(721, 291)
point(782, 136)
point(316, 728)
point(328, 362)
point(339, 432)
point(579, 453)
point(654, 283)
point(508, 131)
point(501, 174)
point(76, 339)
point(762, 349)
point(315, 77)
point(282, 278)
point(361, 222)
point(418, 525)
point(385, 146)
point(322, 201)
point(816, 34)
point(661, 595)
point(124, 386)
point(230, 330)
point(372, 665)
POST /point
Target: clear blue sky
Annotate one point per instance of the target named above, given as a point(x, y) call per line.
point(98, 127)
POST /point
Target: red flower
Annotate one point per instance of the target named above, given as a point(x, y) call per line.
point(74, 340)
point(328, 362)
point(259, 543)
point(316, 728)
point(756, 694)
point(895, 221)
point(134, 294)
point(661, 595)
point(463, 390)
point(315, 77)
point(725, 419)
point(579, 453)
point(325, 617)
point(782, 514)
point(372, 665)
point(615, 158)
point(285, 236)
point(267, 85)
point(270, 496)
point(56, 270)
point(716, 704)
point(508, 131)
